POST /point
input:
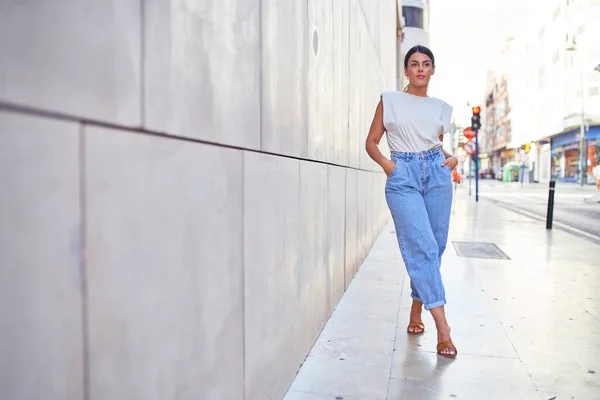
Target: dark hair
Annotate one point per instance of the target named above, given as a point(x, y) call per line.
point(418, 49)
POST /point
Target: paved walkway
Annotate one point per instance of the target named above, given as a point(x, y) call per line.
point(525, 328)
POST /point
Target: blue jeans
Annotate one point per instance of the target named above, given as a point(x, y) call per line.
point(419, 195)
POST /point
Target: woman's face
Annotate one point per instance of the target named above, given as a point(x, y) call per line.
point(419, 70)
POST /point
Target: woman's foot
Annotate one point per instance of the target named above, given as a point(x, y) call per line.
point(445, 346)
point(415, 328)
point(415, 325)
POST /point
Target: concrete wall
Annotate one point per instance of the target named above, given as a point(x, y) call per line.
point(184, 194)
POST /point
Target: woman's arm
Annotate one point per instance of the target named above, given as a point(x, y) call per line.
point(451, 161)
point(374, 137)
point(446, 154)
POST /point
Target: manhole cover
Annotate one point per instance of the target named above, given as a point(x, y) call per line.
point(479, 250)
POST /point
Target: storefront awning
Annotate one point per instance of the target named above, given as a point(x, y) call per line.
point(572, 136)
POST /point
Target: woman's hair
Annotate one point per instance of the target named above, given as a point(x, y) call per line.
point(418, 49)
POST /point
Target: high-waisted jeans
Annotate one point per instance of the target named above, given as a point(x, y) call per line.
point(419, 195)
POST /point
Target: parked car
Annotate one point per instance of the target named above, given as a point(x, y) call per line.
point(487, 173)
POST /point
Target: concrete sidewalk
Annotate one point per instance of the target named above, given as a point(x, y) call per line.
point(526, 327)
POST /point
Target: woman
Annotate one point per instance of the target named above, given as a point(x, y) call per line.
point(419, 187)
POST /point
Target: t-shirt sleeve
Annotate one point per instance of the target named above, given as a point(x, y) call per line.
point(446, 117)
point(385, 100)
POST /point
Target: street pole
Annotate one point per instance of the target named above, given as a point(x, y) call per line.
point(476, 165)
point(550, 211)
point(470, 172)
point(453, 130)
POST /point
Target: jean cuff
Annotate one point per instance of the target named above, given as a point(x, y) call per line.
point(435, 304)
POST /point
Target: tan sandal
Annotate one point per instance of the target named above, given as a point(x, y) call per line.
point(416, 327)
point(447, 345)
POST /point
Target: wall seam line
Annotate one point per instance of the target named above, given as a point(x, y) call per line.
point(244, 396)
point(143, 63)
point(83, 264)
point(20, 109)
point(260, 73)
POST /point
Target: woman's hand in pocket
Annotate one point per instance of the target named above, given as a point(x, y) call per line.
point(450, 162)
point(388, 167)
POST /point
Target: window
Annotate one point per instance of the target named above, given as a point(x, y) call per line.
point(414, 17)
point(593, 91)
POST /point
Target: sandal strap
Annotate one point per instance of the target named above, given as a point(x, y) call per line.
point(447, 345)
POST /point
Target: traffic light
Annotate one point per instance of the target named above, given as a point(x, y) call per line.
point(476, 118)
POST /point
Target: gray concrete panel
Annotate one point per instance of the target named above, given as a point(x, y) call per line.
point(373, 212)
point(362, 220)
point(320, 80)
point(40, 260)
point(380, 24)
point(273, 333)
point(371, 87)
point(285, 49)
point(355, 134)
point(351, 224)
point(378, 205)
point(367, 83)
point(75, 57)
point(164, 251)
point(341, 82)
point(366, 108)
point(369, 212)
point(381, 203)
point(336, 233)
point(202, 69)
point(313, 278)
point(388, 39)
point(370, 14)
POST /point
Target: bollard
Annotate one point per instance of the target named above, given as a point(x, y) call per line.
point(550, 212)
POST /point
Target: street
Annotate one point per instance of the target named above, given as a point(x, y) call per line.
point(572, 205)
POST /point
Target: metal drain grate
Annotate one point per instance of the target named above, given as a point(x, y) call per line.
point(479, 250)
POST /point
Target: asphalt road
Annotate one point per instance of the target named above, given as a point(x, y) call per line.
point(574, 206)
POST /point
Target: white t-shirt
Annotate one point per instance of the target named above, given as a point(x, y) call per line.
point(414, 123)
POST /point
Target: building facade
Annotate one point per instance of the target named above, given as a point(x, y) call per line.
point(553, 90)
point(497, 128)
point(415, 30)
